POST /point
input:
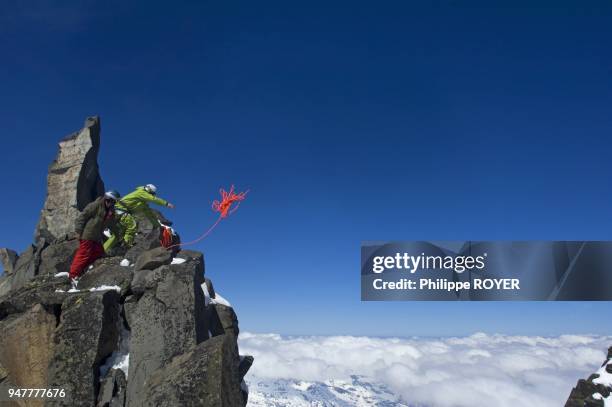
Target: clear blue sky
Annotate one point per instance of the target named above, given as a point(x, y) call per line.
point(349, 121)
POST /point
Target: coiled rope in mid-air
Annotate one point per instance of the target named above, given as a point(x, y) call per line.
point(224, 207)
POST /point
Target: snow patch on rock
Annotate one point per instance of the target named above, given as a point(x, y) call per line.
point(206, 294)
point(220, 300)
point(120, 358)
point(217, 300)
point(604, 378)
point(607, 400)
point(106, 288)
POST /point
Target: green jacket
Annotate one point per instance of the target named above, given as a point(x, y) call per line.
point(137, 202)
point(91, 222)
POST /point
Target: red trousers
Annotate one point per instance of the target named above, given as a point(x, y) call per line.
point(86, 254)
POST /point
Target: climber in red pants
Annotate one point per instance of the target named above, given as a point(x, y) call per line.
point(90, 225)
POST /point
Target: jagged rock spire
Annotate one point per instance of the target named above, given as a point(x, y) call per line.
point(180, 346)
point(73, 181)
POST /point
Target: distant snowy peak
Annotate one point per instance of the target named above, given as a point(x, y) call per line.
point(357, 391)
point(596, 391)
point(480, 370)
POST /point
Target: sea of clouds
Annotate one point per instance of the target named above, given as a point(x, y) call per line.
point(478, 370)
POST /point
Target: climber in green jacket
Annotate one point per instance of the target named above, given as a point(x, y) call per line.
point(135, 204)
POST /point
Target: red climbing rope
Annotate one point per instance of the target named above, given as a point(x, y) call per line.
point(227, 199)
point(224, 207)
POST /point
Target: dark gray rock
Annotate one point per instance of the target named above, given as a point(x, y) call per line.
point(6, 384)
point(142, 243)
point(26, 268)
point(3, 373)
point(129, 308)
point(8, 258)
point(154, 258)
point(57, 258)
point(88, 333)
point(147, 238)
point(225, 322)
point(582, 394)
point(245, 364)
point(26, 345)
point(210, 287)
point(40, 290)
point(192, 256)
point(107, 271)
point(147, 279)
point(26, 257)
point(6, 282)
point(162, 218)
point(206, 375)
point(167, 319)
point(112, 389)
point(244, 391)
point(73, 182)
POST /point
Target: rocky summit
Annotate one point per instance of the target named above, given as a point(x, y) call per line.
point(596, 391)
point(144, 327)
